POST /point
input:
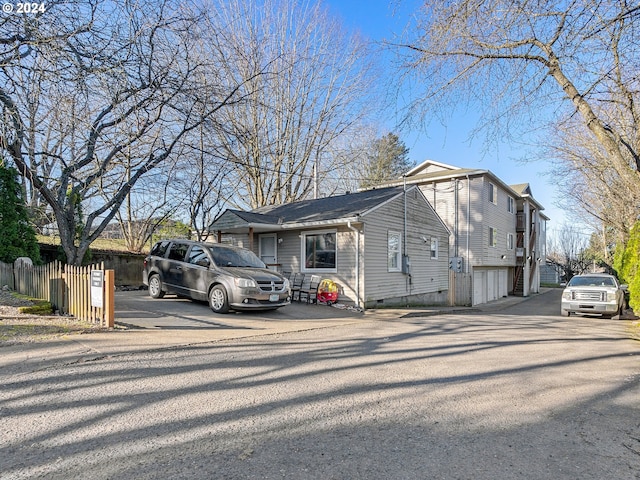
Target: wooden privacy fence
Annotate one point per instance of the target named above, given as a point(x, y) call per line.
point(6, 275)
point(459, 288)
point(71, 290)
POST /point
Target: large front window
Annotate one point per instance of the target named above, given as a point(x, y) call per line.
point(320, 250)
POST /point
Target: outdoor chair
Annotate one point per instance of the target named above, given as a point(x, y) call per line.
point(311, 292)
point(296, 285)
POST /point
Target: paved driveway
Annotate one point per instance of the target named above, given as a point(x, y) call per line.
point(172, 320)
point(137, 309)
point(519, 393)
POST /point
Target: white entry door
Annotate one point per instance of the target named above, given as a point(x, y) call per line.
point(268, 250)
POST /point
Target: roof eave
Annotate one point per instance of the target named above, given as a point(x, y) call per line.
point(321, 223)
point(256, 227)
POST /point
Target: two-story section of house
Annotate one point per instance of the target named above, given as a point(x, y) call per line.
point(498, 231)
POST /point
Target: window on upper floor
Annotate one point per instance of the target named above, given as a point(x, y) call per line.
point(510, 241)
point(434, 248)
point(511, 205)
point(493, 194)
point(493, 237)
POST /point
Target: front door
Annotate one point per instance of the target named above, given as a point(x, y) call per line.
point(268, 250)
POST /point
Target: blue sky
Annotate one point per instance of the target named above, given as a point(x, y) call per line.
point(378, 19)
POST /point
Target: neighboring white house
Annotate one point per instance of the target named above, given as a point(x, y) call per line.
point(384, 246)
point(498, 231)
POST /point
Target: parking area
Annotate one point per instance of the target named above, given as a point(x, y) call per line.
point(189, 319)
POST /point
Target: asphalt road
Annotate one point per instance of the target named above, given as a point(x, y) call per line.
point(520, 393)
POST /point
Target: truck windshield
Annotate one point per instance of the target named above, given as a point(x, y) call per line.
point(592, 282)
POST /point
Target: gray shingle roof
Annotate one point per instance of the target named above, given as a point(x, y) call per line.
point(330, 208)
point(317, 210)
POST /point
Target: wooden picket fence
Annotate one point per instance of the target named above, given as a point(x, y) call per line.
point(66, 287)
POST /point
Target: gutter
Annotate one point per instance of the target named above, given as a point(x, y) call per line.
point(467, 266)
point(319, 223)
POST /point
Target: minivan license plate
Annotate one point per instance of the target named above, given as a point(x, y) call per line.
point(274, 298)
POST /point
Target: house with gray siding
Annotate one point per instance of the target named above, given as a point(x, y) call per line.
point(498, 241)
point(385, 246)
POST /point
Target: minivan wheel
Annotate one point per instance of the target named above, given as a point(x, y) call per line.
point(218, 300)
point(565, 313)
point(155, 287)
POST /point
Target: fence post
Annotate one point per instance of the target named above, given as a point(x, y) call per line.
point(109, 298)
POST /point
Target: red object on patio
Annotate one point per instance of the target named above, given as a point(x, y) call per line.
point(327, 292)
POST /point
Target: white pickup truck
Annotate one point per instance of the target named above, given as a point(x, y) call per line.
point(595, 293)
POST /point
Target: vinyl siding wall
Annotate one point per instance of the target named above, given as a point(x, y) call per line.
point(289, 255)
point(476, 220)
point(429, 277)
point(498, 217)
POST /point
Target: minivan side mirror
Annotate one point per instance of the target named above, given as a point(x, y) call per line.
point(203, 262)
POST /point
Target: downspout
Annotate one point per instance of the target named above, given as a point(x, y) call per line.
point(405, 257)
point(456, 240)
point(404, 240)
point(468, 221)
point(354, 229)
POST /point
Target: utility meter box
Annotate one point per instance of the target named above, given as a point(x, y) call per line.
point(406, 265)
point(456, 264)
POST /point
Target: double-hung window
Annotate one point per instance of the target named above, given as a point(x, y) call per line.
point(394, 250)
point(493, 194)
point(434, 248)
point(493, 237)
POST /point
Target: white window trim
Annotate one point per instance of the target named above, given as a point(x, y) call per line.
point(398, 253)
point(303, 253)
point(431, 250)
point(493, 244)
point(511, 205)
point(510, 240)
point(493, 190)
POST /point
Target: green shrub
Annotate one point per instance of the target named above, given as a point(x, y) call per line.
point(627, 266)
point(18, 236)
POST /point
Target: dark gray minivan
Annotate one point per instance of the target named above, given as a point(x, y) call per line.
point(229, 278)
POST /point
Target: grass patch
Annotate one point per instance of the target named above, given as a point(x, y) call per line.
point(37, 305)
point(111, 245)
point(40, 307)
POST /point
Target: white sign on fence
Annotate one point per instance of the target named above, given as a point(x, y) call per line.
point(97, 288)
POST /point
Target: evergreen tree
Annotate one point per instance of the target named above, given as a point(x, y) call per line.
point(627, 266)
point(17, 236)
point(388, 160)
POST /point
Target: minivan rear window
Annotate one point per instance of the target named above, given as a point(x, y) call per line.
point(160, 248)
